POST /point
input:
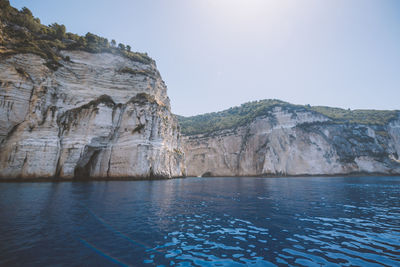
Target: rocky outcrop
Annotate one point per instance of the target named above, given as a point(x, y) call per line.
point(295, 141)
point(102, 115)
point(98, 115)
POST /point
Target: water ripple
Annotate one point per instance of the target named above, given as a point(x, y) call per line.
point(203, 222)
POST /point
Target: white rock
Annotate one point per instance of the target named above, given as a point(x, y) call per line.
point(282, 144)
point(87, 119)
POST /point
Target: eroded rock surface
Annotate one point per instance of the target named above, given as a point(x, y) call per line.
point(90, 118)
point(295, 142)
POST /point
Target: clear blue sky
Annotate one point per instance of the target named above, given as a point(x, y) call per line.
point(214, 54)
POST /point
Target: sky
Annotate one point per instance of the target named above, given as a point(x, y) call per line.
point(215, 54)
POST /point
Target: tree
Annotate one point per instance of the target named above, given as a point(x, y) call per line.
point(26, 11)
point(82, 41)
point(128, 48)
point(90, 37)
point(105, 42)
point(59, 30)
point(113, 43)
point(121, 46)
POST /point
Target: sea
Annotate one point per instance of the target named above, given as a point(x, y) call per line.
point(225, 221)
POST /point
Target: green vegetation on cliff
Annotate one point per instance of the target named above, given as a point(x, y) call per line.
point(241, 115)
point(21, 32)
point(358, 116)
point(230, 118)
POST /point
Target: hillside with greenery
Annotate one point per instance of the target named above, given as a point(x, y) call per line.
point(21, 32)
point(241, 115)
point(358, 116)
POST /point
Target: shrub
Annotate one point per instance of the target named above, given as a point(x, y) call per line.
point(58, 30)
point(134, 72)
point(26, 11)
point(25, 34)
point(238, 116)
point(121, 46)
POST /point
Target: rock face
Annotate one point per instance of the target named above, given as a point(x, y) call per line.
point(105, 116)
point(98, 115)
point(295, 142)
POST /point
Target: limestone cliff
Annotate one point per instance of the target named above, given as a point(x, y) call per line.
point(97, 115)
point(80, 107)
point(291, 140)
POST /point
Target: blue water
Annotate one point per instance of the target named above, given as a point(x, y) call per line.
point(352, 221)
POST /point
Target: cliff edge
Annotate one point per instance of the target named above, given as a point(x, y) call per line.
point(272, 137)
point(77, 107)
point(82, 107)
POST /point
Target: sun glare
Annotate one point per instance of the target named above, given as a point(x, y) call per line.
point(246, 8)
point(245, 13)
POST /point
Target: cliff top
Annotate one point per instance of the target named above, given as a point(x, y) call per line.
point(21, 32)
point(241, 115)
